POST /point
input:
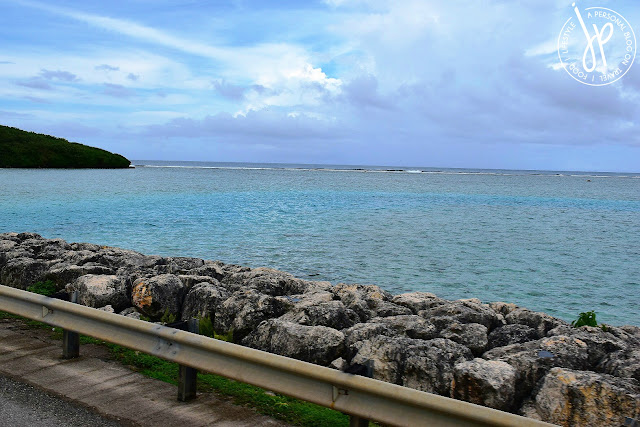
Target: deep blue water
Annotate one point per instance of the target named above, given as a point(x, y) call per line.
point(557, 242)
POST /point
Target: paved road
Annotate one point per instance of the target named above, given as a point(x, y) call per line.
point(24, 405)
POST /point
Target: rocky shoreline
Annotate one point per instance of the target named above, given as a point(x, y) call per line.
point(496, 354)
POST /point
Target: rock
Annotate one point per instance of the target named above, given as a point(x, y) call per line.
point(599, 343)
point(107, 308)
point(158, 295)
point(183, 265)
point(316, 344)
point(541, 322)
point(69, 273)
point(365, 300)
point(412, 326)
point(130, 312)
point(203, 300)
point(266, 281)
point(188, 280)
point(340, 364)
point(328, 313)
point(464, 312)
point(623, 363)
point(423, 365)
point(485, 382)
point(100, 290)
point(22, 272)
point(471, 335)
point(389, 309)
point(578, 398)
point(244, 310)
point(417, 301)
point(532, 360)
point(503, 308)
point(511, 334)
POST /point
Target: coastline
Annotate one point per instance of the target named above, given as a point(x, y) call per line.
point(494, 354)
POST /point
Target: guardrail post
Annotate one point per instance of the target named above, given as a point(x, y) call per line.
point(188, 377)
point(365, 370)
point(71, 340)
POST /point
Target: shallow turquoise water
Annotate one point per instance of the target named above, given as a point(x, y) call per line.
point(555, 243)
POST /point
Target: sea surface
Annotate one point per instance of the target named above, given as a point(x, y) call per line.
point(559, 242)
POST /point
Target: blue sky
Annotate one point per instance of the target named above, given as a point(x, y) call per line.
point(417, 83)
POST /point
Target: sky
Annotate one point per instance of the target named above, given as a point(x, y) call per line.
point(450, 83)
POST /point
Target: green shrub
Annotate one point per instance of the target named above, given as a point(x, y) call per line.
point(206, 328)
point(167, 317)
point(46, 288)
point(585, 319)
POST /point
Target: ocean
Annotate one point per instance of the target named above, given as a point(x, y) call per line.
point(558, 242)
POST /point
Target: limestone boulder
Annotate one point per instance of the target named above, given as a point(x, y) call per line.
point(316, 344)
point(462, 311)
point(471, 335)
point(158, 295)
point(511, 334)
point(485, 382)
point(580, 398)
point(100, 290)
point(203, 300)
point(540, 322)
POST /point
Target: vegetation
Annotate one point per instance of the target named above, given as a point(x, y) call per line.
point(21, 149)
point(46, 288)
point(585, 319)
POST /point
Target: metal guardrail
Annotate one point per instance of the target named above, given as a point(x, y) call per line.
point(367, 398)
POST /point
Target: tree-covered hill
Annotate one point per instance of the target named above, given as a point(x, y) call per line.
point(21, 149)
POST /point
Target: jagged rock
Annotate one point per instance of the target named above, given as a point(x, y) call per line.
point(485, 382)
point(389, 309)
point(503, 308)
point(315, 344)
point(329, 313)
point(183, 265)
point(623, 363)
point(578, 398)
point(464, 312)
point(22, 272)
point(188, 280)
point(69, 273)
point(203, 299)
point(599, 343)
point(130, 312)
point(423, 365)
point(340, 364)
point(511, 334)
point(266, 281)
point(107, 308)
point(471, 335)
point(158, 295)
point(417, 301)
point(532, 360)
point(411, 325)
point(541, 322)
point(100, 290)
point(244, 310)
point(363, 299)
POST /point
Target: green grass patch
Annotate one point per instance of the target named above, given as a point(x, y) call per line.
point(46, 288)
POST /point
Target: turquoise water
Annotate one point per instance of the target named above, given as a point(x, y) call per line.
point(559, 243)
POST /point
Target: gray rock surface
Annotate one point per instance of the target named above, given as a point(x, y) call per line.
point(203, 300)
point(485, 382)
point(100, 290)
point(158, 295)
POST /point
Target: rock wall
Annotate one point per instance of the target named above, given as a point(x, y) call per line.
point(497, 354)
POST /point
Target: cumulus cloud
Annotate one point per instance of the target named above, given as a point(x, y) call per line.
point(64, 76)
point(117, 91)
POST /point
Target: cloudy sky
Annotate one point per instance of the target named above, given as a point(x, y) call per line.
point(418, 83)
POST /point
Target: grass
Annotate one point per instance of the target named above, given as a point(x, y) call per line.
point(46, 288)
point(21, 149)
point(284, 408)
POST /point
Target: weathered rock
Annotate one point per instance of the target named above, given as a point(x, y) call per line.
point(69, 273)
point(471, 335)
point(599, 343)
point(541, 322)
point(623, 363)
point(130, 312)
point(22, 272)
point(158, 295)
point(412, 326)
point(266, 281)
point(511, 334)
point(503, 308)
point(100, 290)
point(107, 308)
point(485, 382)
point(244, 310)
point(389, 309)
point(328, 313)
point(365, 300)
point(315, 344)
point(417, 301)
point(532, 360)
point(464, 312)
point(578, 398)
point(203, 299)
point(423, 365)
